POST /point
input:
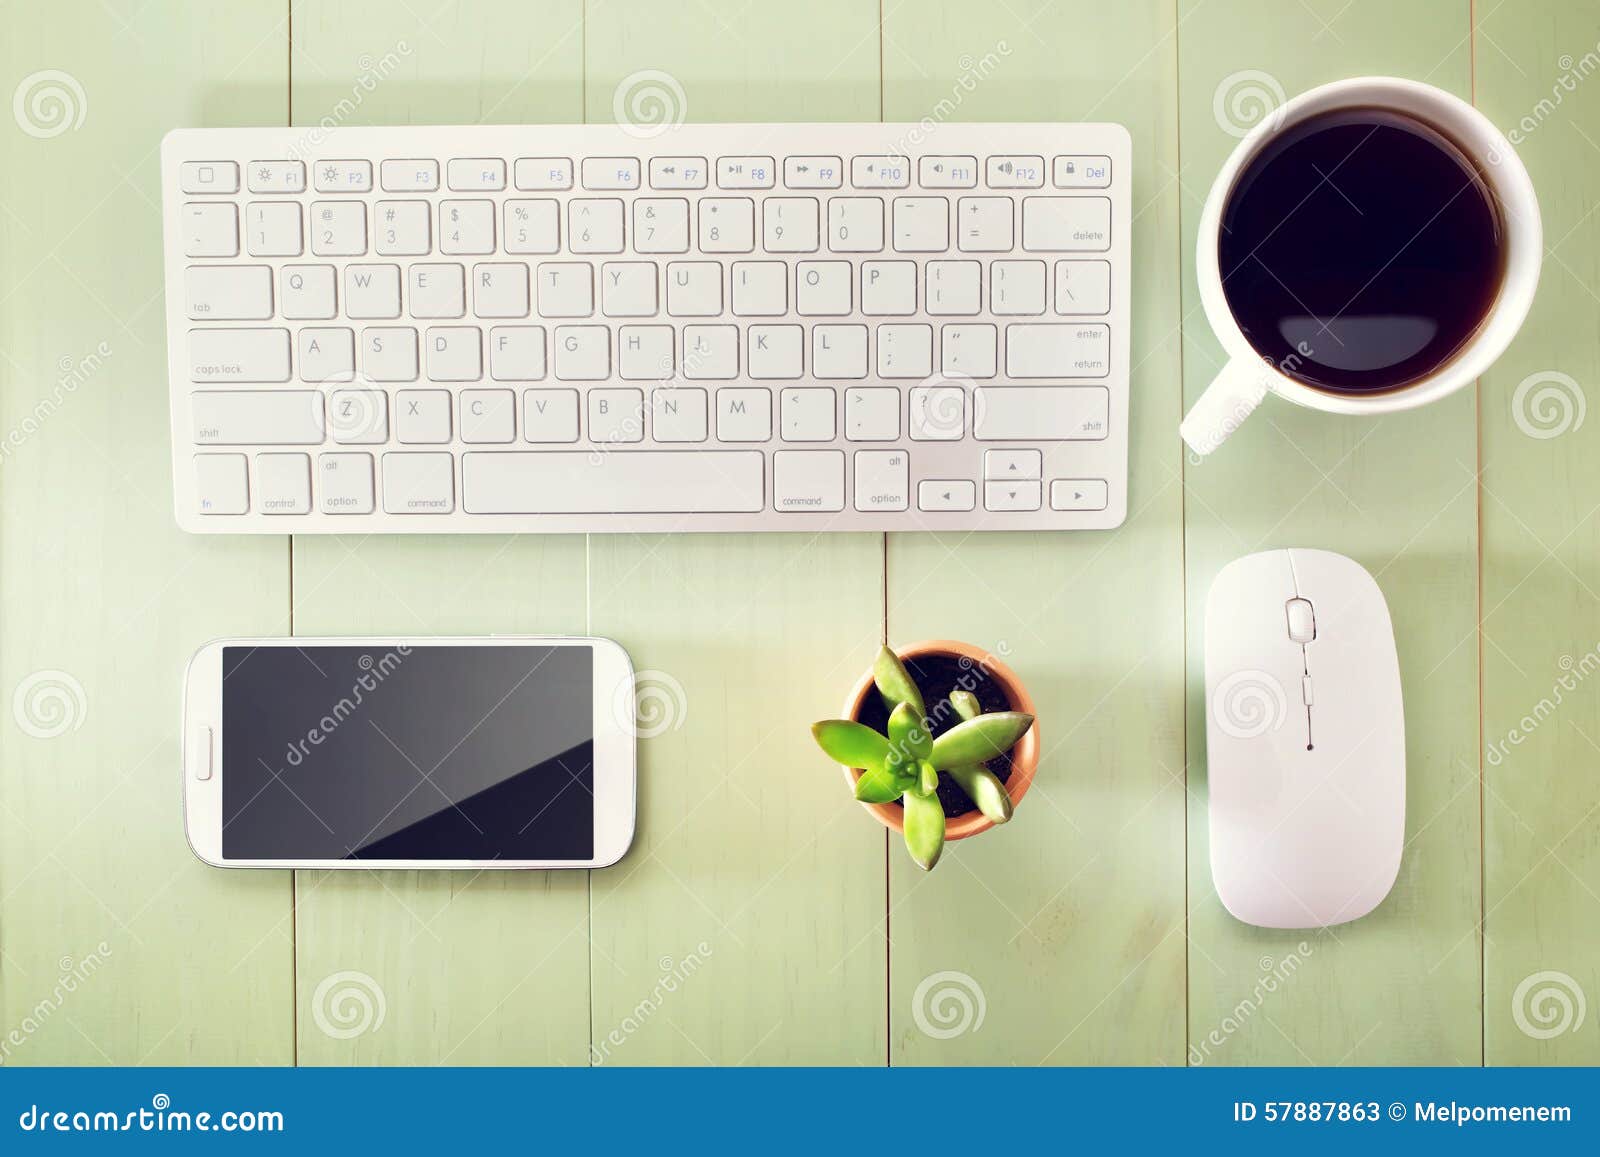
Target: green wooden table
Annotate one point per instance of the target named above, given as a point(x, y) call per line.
point(790, 930)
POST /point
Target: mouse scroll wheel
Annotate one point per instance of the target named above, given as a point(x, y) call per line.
point(1302, 623)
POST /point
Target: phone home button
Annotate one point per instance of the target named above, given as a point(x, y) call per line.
point(200, 752)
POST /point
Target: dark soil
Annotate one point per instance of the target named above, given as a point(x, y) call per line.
point(936, 676)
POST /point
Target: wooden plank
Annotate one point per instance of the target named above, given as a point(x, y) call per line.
point(103, 598)
point(1401, 985)
point(752, 874)
point(1541, 572)
point(1070, 919)
point(491, 968)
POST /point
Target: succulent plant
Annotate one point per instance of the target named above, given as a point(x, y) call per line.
point(905, 764)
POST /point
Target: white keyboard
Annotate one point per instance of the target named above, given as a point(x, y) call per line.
point(587, 328)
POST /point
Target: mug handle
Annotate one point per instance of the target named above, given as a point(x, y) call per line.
point(1227, 402)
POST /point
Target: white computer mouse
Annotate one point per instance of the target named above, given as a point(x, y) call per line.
point(1305, 740)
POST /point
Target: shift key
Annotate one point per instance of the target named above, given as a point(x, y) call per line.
point(239, 355)
point(257, 417)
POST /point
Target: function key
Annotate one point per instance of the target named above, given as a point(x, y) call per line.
point(1015, 172)
point(209, 177)
point(880, 172)
point(1083, 172)
point(344, 176)
point(410, 176)
point(813, 172)
point(611, 172)
point(476, 174)
point(678, 172)
point(544, 173)
point(745, 172)
point(277, 176)
point(948, 172)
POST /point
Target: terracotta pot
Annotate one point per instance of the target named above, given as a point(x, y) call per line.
point(1024, 756)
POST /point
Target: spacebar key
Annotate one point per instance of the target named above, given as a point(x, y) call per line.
point(613, 482)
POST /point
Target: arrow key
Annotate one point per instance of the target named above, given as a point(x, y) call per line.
point(1011, 495)
point(937, 494)
point(1078, 494)
point(1013, 465)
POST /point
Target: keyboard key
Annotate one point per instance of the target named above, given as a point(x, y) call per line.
point(476, 174)
point(422, 416)
point(813, 172)
point(1016, 288)
point(208, 177)
point(1056, 224)
point(678, 414)
point(808, 480)
point(694, 289)
point(1015, 172)
point(222, 483)
point(947, 172)
point(1012, 465)
point(1083, 287)
point(420, 176)
point(622, 482)
point(389, 354)
point(775, 352)
point(710, 351)
point(283, 483)
point(1082, 172)
point(343, 176)
point(1040, 413)
point(855, 224)
point(402, 229)
point(954, 287)
point(338, 228)
point(550, 415)
point(883, 480)
point(582, 353)
point(516, 353)
point(888, 288)
point(466, 227)
point(1011, 496)
point(644, 353)
point(535, 174)
point(1058, 351)
point(968, 350)
point(946, 494)
point(566, 289)
point(628, 289)
point(276, 176)
point(905, 351)
point(418, 483)
point(744, 414)
point(373, 291)
point(983, 225)
point(500, 289)
point(594, 225)
point(822, 288)
point(872, 414)
point(806, 414)
point(921, 224)
point(892, 172)
point(358, 416)
point(327, 354)
point(533, 225)
point(727, 224)
point(611, 172)
point(790, 224)
point(257, 417)
point(745, 172)
point(616, 415)
point(938, 413)
point(229, 292)
point(661, 225)
point(760, 288)
point(307, 292)
point(211, 229)
point(678, 172)
point(839, 351)
point(455, 354)
point(345, 483)
point(239, 355)
point(488, 415)
point(272, 229)
point(1078, 494)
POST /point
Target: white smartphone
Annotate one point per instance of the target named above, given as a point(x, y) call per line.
point(500, 752)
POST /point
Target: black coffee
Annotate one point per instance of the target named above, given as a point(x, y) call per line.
point(1360, 250)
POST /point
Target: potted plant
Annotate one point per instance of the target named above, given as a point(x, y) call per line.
point(938, 741)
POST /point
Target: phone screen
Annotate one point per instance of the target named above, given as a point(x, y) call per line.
point(408, 753)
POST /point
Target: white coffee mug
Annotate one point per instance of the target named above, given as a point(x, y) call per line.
point(1248, 377)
